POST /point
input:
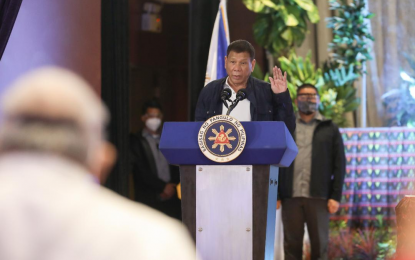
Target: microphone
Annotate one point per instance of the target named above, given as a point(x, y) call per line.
point(241, 95)
point(226, 95)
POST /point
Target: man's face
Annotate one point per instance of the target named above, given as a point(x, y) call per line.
point(152, 113)
point(307, 101)
point(307, 94)
point(239, 67)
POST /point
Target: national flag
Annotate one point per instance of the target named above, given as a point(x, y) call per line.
point(218, 45)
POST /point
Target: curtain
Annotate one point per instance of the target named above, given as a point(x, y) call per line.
point(319, 36)
point(8, 14)
point(115, 87)
point(393, 30)
point(202, 18)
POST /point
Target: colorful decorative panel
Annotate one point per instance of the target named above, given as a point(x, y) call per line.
point(380, 171)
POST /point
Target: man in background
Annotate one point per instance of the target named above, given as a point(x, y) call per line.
point(155, 180)
point(311, 188)
point(52, 158)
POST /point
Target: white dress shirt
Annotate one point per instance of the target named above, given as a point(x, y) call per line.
point(242, 111)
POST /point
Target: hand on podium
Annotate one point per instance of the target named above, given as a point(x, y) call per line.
point(278, 204)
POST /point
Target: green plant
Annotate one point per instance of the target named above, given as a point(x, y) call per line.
point(349, 51)
point(341, 241)
point(300, 71)
point(350, 35)
point(257, 73)
point(375, 242)
point(338, 96)
point(282, 24)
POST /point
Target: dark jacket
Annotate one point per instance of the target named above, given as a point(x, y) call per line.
point(328, 165)
point(147, 185)
point(265, 105)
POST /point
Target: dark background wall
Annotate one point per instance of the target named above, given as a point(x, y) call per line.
point(115, 86)
point(241, 22)
point(55, 32)
point(159, 63)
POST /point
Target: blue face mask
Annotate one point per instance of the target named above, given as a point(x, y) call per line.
point(307, 107)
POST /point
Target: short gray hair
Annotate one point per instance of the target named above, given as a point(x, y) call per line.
point(52, 110)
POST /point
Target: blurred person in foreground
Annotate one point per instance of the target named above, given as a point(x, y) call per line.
point(311, 188)
point(155, 180)
point(52, 158)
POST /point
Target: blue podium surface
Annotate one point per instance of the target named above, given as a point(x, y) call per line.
point(267, 142)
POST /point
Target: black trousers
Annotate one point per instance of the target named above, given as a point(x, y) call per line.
point(313, 212)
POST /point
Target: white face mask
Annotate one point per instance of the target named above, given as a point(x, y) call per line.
point(153, 123)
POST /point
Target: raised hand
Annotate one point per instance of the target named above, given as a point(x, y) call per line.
point(278, 81)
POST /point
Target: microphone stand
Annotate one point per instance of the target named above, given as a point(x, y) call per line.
point(241, 95)
point(231, 107)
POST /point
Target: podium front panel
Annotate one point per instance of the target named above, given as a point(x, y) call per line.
point(218, 206)
point(224, 224)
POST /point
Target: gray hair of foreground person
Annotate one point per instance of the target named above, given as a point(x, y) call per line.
point(54, 111)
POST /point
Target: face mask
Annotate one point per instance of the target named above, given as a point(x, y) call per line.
point(307, 107)
point(153, 123)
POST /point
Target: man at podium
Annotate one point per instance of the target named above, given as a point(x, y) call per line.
point(263, 102)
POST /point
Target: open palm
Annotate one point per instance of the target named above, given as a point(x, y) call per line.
point(278, 81)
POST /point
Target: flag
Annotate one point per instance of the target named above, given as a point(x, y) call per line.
point(218, 46)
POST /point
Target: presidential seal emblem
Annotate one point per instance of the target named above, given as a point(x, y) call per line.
point(222, 138)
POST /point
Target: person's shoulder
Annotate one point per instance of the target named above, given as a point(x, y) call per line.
point(215, 84)
point(330, 124)
point(106, 199)
point(133, 213)
point(259, 83)
point(335, 127)
point(144, 227)
point(212, 87)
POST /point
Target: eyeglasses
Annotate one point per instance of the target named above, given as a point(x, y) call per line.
point(305, 96)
